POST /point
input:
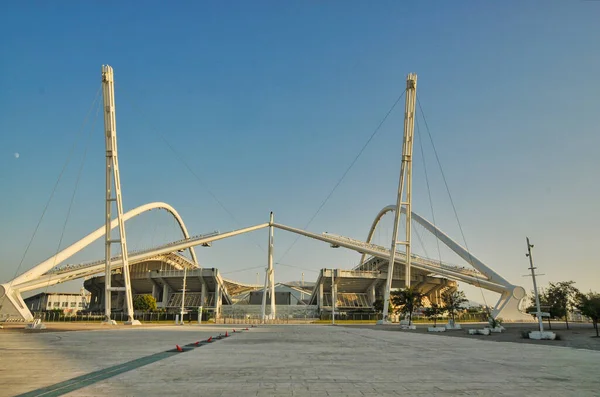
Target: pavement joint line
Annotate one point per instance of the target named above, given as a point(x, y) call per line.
point(69, 385)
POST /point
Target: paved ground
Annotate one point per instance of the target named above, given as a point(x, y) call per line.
point(579, 336)
point(290, 361)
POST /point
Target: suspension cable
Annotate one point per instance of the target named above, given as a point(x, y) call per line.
point(243, 270)
point(345, 172)
point(421, 242)
point(60, 175)
point(180, 157)
point(297, 267)
point(437, 240)
point(451, 200)
point(77, 180)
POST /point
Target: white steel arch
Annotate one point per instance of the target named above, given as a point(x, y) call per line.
point(11, 302)
point(510, 297)
point(444, 238)
point(66, 253)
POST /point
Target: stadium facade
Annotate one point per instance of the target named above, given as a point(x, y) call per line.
point(354, 290)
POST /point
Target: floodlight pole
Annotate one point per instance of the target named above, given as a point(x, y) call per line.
point(535, 290)
point(405, 178)
point(112, 173)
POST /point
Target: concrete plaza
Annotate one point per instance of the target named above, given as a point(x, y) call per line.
point(294, 360)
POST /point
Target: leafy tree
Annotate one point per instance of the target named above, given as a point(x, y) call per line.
point(434, 312)
point(453, 302)
point(562, 297)
point(548, 304)
point(589, 304)
point(407, 300)
point(545, 305)
point(378, 306)
point(495, 322)
point(145, 303)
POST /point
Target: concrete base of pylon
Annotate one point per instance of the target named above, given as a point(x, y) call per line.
point(37, 324)
point(109, 322)
point(133, 322)
point(545, 335)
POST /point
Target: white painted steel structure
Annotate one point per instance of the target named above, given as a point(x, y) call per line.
point(113, 176)
point(52, 271)
point(405, 179)
point(269, 277)
point(483, 276)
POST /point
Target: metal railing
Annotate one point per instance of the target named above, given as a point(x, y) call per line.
point(70, 267)
point(148, 317)
point(400, 254)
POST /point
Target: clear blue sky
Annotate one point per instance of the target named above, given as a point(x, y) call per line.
point(269, 102)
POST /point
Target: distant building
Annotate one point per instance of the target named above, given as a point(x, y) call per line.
point(69, 303)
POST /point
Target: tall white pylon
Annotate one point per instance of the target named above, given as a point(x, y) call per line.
point(269, 277)
point(112, 172)
point(405, 179)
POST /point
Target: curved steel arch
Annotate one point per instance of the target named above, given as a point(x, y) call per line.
point(444, 238)
point(510, 298)
point(66, 253)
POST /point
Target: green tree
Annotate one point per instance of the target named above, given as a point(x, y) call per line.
point(145, 303)
point(545, 305)
point(562, 297)
point(589, 304)
point(434, 312)
point(378, 306)
point(407, 300)
point(453, 302)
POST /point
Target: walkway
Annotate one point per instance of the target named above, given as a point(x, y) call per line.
point(298, 360)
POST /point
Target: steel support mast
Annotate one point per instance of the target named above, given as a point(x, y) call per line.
point(269, 276)
point(112, 173)
point(405, 180)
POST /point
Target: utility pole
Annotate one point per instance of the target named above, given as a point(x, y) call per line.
point(535, 289)
point(405, 179)
point(112, 173)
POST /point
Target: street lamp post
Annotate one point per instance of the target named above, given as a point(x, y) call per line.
point(183, 294)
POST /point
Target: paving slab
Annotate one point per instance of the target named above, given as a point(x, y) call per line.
point(32, 360)
point(298, 360)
